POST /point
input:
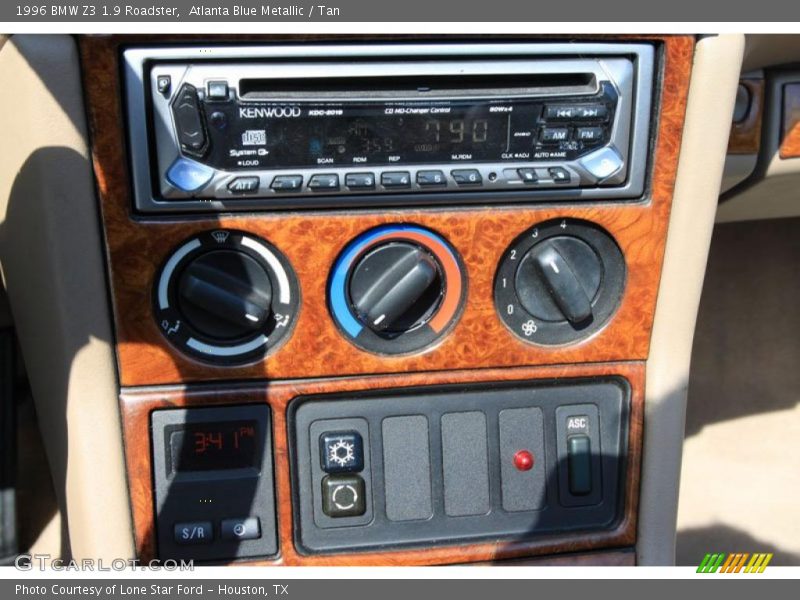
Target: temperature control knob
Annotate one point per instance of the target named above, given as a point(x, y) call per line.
point(396, 289)
point(559, 282)
point(226, 297)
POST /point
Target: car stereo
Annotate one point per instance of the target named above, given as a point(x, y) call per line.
point(222, 128)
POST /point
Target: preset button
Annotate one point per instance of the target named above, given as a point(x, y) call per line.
point(395, 179)
point(466, 176)
point(357, 181)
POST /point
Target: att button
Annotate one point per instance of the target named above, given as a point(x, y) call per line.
point(244, 185)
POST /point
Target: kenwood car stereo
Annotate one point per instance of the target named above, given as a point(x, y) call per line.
point(222, 128)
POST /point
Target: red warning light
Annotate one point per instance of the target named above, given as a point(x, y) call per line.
point(523, 460)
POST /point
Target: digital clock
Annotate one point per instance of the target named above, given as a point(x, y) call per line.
point(213, 446)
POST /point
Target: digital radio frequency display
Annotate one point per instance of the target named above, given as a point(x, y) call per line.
point(213, 446)
point(271, 135)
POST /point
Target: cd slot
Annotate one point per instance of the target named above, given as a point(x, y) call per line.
point(411, 87)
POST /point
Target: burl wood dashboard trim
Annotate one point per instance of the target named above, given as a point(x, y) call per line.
point(138, 404)
point(137, 246)
point(746, 135)
point(790, 132)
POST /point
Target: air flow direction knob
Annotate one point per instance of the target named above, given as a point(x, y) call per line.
point(225, 294)
point(226, 297)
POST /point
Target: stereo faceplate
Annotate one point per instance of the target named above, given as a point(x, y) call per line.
point(291, 127)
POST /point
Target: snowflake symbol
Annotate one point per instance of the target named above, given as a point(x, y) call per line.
point(341, 453)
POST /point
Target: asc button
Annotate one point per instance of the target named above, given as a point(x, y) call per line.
point(579, 464)
point(431, 178)
point(241, 529)
point(244, 185)
point(466, 176)
point(394, 179)
point(357, 181)
point(195, 532)
point(327, 181)
point(287, 183)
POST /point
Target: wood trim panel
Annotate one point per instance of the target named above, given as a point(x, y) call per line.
point(312, 240)
point(601, 558)
point(746, 135)
point(790, 137)
point(137, 406)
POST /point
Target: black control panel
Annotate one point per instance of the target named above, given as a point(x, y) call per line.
point(424, 467)
point(214, 484)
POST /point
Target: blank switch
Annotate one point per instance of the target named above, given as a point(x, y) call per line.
point(465, 464)
point(407, 468)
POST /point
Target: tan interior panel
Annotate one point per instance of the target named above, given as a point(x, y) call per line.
point(52, 260)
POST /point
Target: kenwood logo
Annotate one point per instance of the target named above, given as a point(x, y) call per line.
point(269, 112)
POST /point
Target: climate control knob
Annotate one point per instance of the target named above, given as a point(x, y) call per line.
point(559, 282)
point(226, 297)
point(396, 289)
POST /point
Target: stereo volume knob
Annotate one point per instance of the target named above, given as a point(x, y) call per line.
point(225, 294)
point(396, 287)
point(226, 297)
